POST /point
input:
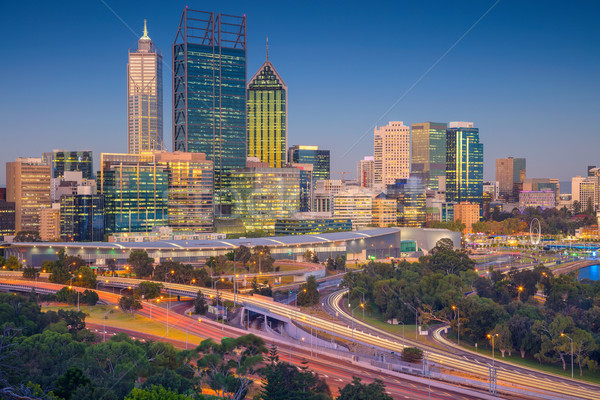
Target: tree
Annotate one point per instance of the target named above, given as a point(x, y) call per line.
point(85, 277)
point(307, 256)
point(359, 391)
point(155, 393)
point(228, 367)
point(315, 258)
point(503, 338)
point(72, 263)
point(75, 320)
point(200, 306)
point(340, 262)
point(308, 294)
point(140, 263)
point(412, 354)
point(148, 290)
point(90, 297)
point(27, 236)
point(130, 304)
point(70, 381)
point(583, 346)
point(66, 295)
point(59, 273)
point(12, 263)
point(30, 272)
point(330, 263)
point(242, 254)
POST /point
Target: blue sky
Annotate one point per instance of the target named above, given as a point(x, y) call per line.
point(527, 74)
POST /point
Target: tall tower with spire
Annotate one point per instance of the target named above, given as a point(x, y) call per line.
point(267, 115)
point(144, 97)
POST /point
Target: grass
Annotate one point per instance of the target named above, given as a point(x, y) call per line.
point(118, 319)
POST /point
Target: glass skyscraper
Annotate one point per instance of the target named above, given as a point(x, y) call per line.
point(464, 163)
point(63, 160)
point(411, 197)
point(82, 218)
point(428, 152)
point(144, 97)
point(320, 159)
point(209, 94)
point(267, 116)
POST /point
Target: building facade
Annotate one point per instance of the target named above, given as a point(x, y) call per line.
point(320, 159)
point(510, 171)
point(464, 163)
point(392, 153)
point(306, 186)
point(28, 186)
point(355, 204)
point(209, 94)
point(543, 199)
point(82, 218)
point(144, 97)
point(62, 161)
point(190, 191)
point(385, 211)
point(542, 184)
point(428, 152)
point(411, 198)
point(7, 218)
point(468, 214)
point(263, 195)
point(365, 171)
point(267, 116)
point(311, 224)
point(50, 224)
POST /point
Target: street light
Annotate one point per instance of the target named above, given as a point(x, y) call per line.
point(458, 318)
point(520, 289)
point(360, 305)
point(492, 336)
point(568, 337)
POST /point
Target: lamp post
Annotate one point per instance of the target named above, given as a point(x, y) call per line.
point(104, 323)
point(492, 336)
point(416, 319)
point(360, 305)
point(458, 319)
point(520, 289)
point(568, 337)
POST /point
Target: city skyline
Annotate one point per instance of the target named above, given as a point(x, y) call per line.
point(481, 79)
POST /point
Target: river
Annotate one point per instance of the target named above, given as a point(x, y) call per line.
point(592, 272)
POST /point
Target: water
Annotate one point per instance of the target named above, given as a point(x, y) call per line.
point(592, 272)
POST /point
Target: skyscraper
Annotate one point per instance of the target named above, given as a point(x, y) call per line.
point(267, 115)
point(209, 94)
point(320, 159)
point(510, 171)
point(28, 186)
point(144, 97)
point(464, 163)
point(63, 160)
point(365, 172)
point(428, 152)
point(392, 153)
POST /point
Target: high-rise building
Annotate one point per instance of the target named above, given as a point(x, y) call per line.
point(468, 213)
point(384, 211)
point(428, 152)
point(320, 159)
point(82, 218)
point(464, 163)
point(28, 186)
point(7, 218)
point(411, 198)
point(62, 161)
point(365, 172)
point(50, 223)
point(392, 153)
point(583, 191)
point(209, 94)
point(144, 97)
point(510, 171)
point(267, 116)
point(355, 204)
point(135, 191)
point(190, 191)
point(263, 195)
point(306, 186)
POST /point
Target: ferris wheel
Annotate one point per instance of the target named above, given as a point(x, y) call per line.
point(535, 232)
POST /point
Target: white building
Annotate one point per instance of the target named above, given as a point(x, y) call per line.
point(365, 170)
point(392, 154)
point(355, 204)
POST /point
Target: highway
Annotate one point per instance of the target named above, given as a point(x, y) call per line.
point(559, 388)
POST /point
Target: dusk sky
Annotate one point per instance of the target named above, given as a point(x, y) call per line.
point(527, 74)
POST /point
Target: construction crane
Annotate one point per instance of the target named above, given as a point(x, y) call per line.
point(343, 173)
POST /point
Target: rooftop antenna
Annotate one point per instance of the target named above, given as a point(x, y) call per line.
point(267, 47)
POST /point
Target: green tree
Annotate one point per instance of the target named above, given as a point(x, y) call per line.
point(243, 254)
point(75, 320)
point(412, 354)
point(200, 306)
point(27, 236)
point(140, 263)
point(340, 262)
point(307, 256)
point(155, 393)
point(503, 338)
point(59, 273)
point(359, 391)
point(90, 297)
point(30, 272)
point(12, 263)
point(85, 277)
point(70, 381)
point(583, 347)
point(308, 294)
point(148, 290)
point(130, 304)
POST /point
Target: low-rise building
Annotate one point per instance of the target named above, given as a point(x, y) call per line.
point(468, 214)
point(543, 199)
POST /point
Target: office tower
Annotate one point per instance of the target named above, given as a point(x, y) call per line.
point(320, 159)
point(392, 153)
point(365, 172)
point(50, 223)
point(69, 184)
point(355, 204)
point(28, 186)
point(135, 192)
point(61, 161)
point(584, 191)
point(492, 188)
point(7, 218)
point(510, 171)
point(2, 194)
point(209, 94)
point(306, 186)
point(412, 201)
point(190, 191)
point(144, 97)
point(262, 195)
point(428, 152)
point(267, 115)
point(464, 163)
point(468, 213)
point(385, 211)
point(82, 217)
